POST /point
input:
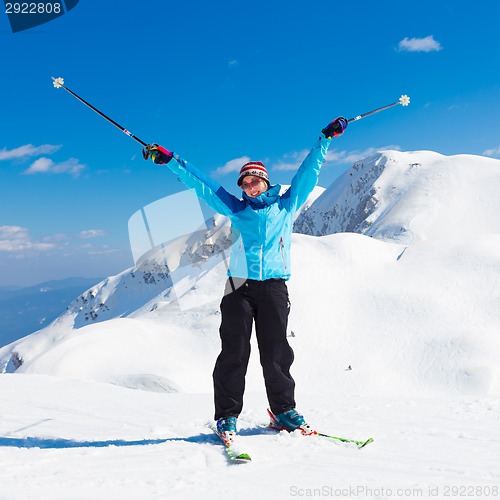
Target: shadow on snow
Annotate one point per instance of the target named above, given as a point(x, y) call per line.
point(59, 443)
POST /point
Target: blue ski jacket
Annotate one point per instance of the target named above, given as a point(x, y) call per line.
point(261, 226)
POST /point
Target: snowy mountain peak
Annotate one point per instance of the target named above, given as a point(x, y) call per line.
point(409, 197)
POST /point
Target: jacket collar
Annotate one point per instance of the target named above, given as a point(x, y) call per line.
point(266, 198)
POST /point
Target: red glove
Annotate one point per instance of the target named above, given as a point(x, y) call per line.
point(335, 128)
point(158, 154)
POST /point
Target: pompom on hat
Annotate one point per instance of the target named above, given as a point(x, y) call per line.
point(255, 168)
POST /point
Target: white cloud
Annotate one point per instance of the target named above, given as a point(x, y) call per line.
point(17, 239)
point(291, 161)
point(43, 165)
point(92, 233)
point(104, 250)
point(28, 150)
point(233, 63)
point(48, 166)
point(232, 166)
point(57, 238)
point(427, 44)
point(494, 152)
point(18, 243)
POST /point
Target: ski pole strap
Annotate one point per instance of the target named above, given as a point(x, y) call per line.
point(146, 152)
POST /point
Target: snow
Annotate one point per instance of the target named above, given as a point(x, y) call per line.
point(121, 407)
point(67, 439)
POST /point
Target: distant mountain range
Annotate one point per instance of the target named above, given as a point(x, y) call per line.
point(24, 310)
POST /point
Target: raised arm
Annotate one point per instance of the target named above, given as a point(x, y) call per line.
point(307, 175)
point(204, 187)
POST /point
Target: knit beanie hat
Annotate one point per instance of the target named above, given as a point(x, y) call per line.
point(255, 168)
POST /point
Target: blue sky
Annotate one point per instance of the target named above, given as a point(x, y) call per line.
point(219, 82)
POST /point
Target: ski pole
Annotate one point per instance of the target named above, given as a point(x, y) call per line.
point(404, 100)
point(59, 83)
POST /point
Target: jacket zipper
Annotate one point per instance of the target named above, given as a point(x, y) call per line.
point(282, 251)
point(238, 255)
point(263, 238)
point(261, 258)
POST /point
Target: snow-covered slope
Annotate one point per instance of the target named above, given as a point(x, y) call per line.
point(62, 439)
point(409, 320)
point(410, 196)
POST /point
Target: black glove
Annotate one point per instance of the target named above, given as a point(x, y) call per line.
point(158, 154)
point(335, 128)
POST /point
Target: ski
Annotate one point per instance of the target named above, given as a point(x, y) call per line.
point(233, 453)
point(359, 444)
point(307, 430)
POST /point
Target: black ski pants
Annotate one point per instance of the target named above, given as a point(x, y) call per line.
point(266, 303)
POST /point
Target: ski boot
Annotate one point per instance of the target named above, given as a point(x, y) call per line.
point(226, 429)
point(290, 421)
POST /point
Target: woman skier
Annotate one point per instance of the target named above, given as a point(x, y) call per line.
point(256, 290)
